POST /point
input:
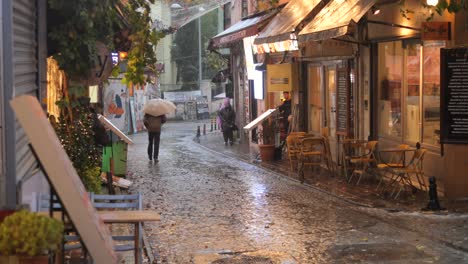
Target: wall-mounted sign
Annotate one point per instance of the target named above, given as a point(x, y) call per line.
point(454, 96)
point(258, 84)
point(281, 77)
point(115, 58)
point(435, 31)
point(342, 102)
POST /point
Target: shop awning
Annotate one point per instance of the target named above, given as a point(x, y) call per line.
point(289, 20)
point(245, 28)
point(335, 20)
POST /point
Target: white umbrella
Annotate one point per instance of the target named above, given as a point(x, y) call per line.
point(157, 107)
point(220, 96)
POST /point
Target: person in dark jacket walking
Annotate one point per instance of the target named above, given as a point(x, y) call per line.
point(153, 124)
point(228, 118)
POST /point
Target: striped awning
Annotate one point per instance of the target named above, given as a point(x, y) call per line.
point(289, 20)
point(336, 19)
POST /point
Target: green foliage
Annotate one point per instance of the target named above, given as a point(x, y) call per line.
point(75, 131)
point(185, 54)
point(216, 62)
point(268, 131)
point(92, 180)
point(454, 6)
point(144, 39)
point(26, 233)
point(74, 27)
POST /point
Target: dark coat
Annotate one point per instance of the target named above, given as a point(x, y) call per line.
point(285, 109)
point(228, 118)
point(154, 123)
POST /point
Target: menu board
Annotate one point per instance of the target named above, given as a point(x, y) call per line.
point(259, 119)
point(454, 96)
point(342, 102)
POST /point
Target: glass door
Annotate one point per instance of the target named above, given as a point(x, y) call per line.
point(315, 99)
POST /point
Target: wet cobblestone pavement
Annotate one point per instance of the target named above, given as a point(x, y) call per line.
point(219, 208)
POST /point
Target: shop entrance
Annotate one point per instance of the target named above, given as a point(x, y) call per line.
point(322, 101)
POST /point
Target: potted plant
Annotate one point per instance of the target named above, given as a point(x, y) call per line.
point(267, 134)
point(27, 237)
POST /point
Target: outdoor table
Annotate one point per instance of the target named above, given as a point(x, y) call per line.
point(396, 151)
point(130, 217)
point(397, 161)
point(123, 217)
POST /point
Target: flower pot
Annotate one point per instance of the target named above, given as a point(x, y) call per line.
point(5, 212)
point(267, 152)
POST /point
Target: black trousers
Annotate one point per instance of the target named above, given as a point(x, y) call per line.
point(153, 144)
point(228, 135)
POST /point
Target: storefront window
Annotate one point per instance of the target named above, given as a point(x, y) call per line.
point(431, 92)
point(390, 81)
point(413, 78)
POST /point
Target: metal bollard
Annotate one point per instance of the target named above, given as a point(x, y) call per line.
point(198, 131)
point(215, 126)
point(211, 130)
point(433, 204)
point(204, 129)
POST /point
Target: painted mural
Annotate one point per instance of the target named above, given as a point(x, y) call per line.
point(116, 104)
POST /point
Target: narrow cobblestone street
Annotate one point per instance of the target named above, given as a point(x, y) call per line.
point(219, 209)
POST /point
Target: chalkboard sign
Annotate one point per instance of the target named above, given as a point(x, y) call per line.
point(342, 102)
point(454, 96)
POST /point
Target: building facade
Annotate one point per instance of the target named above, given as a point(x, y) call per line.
point(23, 71)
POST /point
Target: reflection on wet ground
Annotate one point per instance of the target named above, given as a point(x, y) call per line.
point(217, 209)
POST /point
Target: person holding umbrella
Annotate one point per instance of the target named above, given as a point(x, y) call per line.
point(228, 118)
point(155, 116)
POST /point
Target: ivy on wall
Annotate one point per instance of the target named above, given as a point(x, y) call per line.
point(453, 6)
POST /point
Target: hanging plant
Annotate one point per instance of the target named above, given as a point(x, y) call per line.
point(144, 37)
point(453, 7)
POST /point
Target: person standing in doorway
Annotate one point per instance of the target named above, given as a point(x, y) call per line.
point(153, 124)
point(285, 110)
point(228, 118)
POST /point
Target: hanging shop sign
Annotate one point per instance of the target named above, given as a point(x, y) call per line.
point(282, 77)
point(435, 31)
point(343, 102)
point(454, 96)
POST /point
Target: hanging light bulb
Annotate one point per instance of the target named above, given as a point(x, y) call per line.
point(432, 2)
point(375, 10)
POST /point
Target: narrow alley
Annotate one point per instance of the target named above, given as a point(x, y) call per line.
point(218, 209)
